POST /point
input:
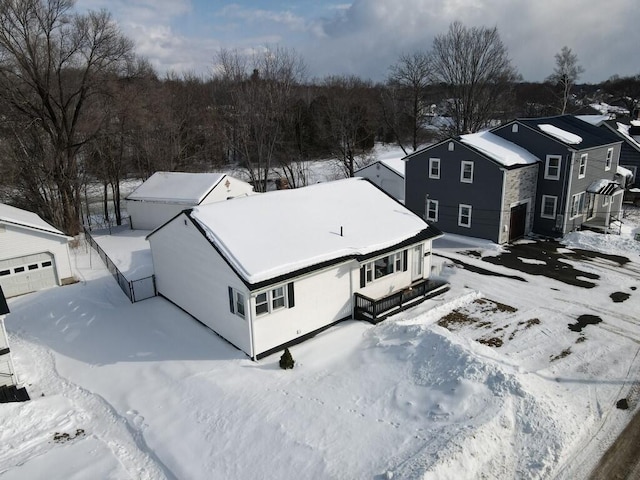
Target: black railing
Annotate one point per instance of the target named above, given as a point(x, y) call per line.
point(377, 310)
point(135, 290)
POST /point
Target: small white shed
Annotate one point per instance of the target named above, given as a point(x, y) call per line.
point(165, 194)
point(33, 254)
point(388, 174)
point(271, 270)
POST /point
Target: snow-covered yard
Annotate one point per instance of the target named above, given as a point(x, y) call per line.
point(487, 381)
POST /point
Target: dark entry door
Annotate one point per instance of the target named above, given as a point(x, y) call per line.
point(518, 221)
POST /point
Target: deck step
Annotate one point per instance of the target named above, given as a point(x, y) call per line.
point(13, 394)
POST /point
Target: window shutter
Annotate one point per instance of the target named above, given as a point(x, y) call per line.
point(231, 302)
point(290, 296)
point(362, 277)
point(404, 260)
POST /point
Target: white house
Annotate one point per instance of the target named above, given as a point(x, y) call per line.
point(33, 254)
point(388, 174)
point(7, 373)
point(271, 270)
point(165, 194)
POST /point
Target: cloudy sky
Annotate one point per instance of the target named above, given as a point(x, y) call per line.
point(365, 37)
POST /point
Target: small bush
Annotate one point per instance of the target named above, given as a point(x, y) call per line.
point(286, 360)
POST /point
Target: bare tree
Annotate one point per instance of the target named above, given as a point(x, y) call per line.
point(53, 63)
point(474, 67)
point(565, 74)
point(261, 90)
point(407, 86)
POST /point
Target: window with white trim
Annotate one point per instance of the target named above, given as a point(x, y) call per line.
point(432, 210)
point(609, 159)
point(552, 167)
point(466, 171)
point(434, 168)
point(577, 204)
point(464, 215)
point(383, 266)
point(549, 206)
point(582, 169)
point(274, 299)
point(237, 302)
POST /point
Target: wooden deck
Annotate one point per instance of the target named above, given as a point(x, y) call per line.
point(376, 310)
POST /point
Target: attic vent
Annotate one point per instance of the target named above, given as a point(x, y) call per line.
point(514, 128)
point(451, 146)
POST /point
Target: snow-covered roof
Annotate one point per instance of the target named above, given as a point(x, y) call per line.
point(395, 164)
point(17, 216)
point(603, 186)
point(624, 172)
point(176, 187)
point(595, 120)
point(562, 135)
point(281, 232)
point(502, 151)
point(624, 131)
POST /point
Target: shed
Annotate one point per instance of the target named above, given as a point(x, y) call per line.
point(268, 271)
point(33, 254)
point(388, 174)
point(165, 194)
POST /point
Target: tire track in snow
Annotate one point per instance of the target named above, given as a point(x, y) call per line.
point(113, 429)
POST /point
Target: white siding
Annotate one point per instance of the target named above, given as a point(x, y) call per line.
point(16, 242)
point(385, 178)
point(321, 299)
point(236, 188)
point(150, 215)
point(191, 274)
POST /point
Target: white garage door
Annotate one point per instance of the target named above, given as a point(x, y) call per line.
point(27, 274)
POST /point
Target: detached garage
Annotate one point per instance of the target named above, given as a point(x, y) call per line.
point(33, 254)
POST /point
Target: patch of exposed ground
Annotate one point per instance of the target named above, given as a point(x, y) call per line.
point(565, 353)
point(583, 321)
point(619, 297)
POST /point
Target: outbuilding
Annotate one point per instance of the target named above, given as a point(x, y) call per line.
point(388, 174)
point(268, 271)
point(33, 254)
point(165, 194)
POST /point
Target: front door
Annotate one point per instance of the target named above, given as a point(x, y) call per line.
point(417, 263)
point(518, 221)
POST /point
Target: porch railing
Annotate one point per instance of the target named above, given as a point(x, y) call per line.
point(376, 310)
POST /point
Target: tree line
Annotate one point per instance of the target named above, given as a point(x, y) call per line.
point(81, 109)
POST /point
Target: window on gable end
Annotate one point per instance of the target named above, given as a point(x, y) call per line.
point(434, 168)
point(466, 171)
point(552, 167)
point(582, 169)
point(609, 159)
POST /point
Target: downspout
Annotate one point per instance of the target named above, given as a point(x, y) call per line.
point(250, 318)
point(566, 194)
point(502, 212)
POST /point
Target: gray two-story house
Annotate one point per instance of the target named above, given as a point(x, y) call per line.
point(547, 176)
point(577, 185)
point(475, 185)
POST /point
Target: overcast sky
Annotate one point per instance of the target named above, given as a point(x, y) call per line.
point(366, 36)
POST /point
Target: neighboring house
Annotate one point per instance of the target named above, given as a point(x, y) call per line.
point(165, 194)
point(630, 149)
point(477, 185)
point(33, 254)
point(388, 174)
point(547, 176)
point(7, 372)
point(577, 185)
point(268, 271)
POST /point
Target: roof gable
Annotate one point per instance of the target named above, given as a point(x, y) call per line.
point(177, 187)
point(24, 218)
point(277, 234)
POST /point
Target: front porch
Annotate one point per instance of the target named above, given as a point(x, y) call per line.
point(603, 225)
point(377, 310)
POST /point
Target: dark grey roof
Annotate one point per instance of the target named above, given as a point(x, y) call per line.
point(4, 308)
point(591, 135)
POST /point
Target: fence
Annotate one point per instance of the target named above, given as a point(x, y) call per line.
point(135, 290)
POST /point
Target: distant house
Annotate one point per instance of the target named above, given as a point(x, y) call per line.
point(476, 185)
point(271, 270)
point(546, 175)
point(33, 254)
point(388, 174)
point(165, 194)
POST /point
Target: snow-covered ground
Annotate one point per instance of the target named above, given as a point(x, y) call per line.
point(486, 381)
